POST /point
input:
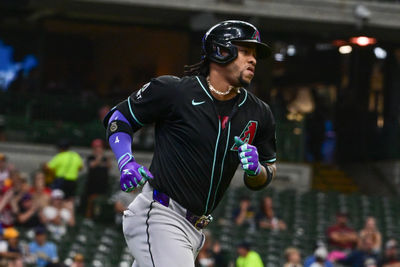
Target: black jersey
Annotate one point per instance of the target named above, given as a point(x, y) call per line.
point(195, 156)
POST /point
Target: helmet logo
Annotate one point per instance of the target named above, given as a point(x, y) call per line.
point(256, 36)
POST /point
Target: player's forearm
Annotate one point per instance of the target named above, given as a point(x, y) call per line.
point(120, 142)
point(263, 178)
point(119, 135)
point(258, 180)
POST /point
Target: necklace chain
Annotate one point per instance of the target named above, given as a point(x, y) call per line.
point(219, 92)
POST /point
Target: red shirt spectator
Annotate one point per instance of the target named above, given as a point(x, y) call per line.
point(340, 235)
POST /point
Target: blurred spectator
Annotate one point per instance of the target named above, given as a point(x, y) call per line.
point(121, 202)
point(211, 254)
point(102, 112)
point(57, 216)
point(363, 256)
point(43, 252)
point(318, 259)
point(79, 261)
point(340, 235)
point(267, 219)
point(10, 197)
point(220, 257)
point(371, 229)
point(205, 257)
point(371, 263)
point(390, 257)
point(27, 212)
point(247, 257)
point(244, 214)
point(7, 217)
point(98, 168)
point(41, 193)
point(4, 169)
point(66, 165)
point(10, 250)
point(293, 257)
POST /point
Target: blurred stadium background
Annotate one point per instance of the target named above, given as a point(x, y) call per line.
point(333, 84)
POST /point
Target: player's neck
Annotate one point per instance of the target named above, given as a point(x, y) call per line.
point(222, 85)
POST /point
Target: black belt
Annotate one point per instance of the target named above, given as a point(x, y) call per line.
point(199, 222)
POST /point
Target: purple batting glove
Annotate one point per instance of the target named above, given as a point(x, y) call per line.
point(133, 174)
point(248, 156)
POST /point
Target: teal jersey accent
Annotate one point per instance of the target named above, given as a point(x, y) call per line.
point(213, 167)
point(133, 115)
point(222, 165)
point(205, 90)
point(245, 98)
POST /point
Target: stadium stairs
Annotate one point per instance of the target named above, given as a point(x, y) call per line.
point(332, 178)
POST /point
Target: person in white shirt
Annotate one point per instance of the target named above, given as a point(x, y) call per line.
point(57, 216)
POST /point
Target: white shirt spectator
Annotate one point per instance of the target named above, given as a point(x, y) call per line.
point(56, 216)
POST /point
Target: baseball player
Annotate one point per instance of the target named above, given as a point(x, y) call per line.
point(206, 124)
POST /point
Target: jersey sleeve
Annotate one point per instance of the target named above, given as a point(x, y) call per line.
point(151, 103)
point(265, 139)
point(52, 164)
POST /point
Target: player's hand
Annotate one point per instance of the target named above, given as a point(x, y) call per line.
point(133, 174)
point(248, 157)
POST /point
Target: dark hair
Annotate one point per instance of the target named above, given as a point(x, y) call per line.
point(40, 230)
point(201, 68)
point(244, 244)
point(63, 144)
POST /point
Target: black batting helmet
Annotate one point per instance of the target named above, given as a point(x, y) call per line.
point(224, 34)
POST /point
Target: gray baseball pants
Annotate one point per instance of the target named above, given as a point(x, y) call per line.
point(159, 236)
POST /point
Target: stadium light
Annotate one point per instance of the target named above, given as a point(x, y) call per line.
point(279, 57)
point(345, 49)
point(291, 50)
point(380, 53)
point(362, 40)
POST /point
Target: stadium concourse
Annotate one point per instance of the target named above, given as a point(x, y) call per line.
point(307, 216)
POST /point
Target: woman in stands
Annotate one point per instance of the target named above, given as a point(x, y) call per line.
point(370, 229)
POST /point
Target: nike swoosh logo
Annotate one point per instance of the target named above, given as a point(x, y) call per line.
point(197, 103)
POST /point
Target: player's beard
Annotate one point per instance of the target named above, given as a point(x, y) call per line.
point(243, 83)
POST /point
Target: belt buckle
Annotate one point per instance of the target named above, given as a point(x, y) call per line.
point(203, 221)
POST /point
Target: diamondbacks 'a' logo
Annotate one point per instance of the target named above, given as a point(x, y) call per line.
point(256, 36)
point(247, 134)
